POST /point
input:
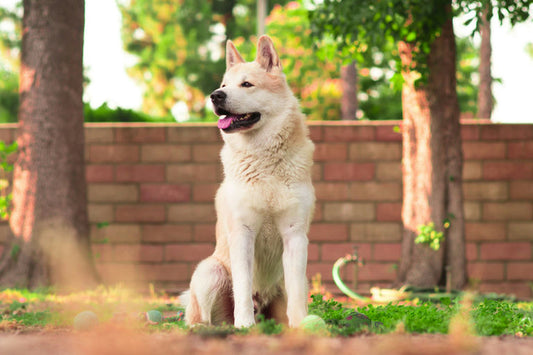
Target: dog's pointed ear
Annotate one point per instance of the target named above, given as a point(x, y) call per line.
point(266, 54)
point(232, 55)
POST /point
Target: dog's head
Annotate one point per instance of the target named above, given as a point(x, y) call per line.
point(250, 92)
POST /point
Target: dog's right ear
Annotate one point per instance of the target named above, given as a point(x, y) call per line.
point(232, 55)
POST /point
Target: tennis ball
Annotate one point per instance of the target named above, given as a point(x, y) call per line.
point(313, 323)
point(85, 320)
point(154, 316)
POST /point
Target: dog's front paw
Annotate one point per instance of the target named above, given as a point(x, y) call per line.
point(244, 322)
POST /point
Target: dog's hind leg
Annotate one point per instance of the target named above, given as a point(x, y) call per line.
point(210, 295)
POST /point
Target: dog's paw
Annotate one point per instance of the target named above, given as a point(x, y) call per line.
point(244, 322)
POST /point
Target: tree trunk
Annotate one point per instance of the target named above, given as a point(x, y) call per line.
point(432, 167)
point(50, 229)
point(349, 91)
point(484, 97)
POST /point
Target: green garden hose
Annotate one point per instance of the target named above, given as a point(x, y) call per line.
point(338, 281)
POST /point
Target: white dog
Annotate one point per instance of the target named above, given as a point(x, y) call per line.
point(265, 203)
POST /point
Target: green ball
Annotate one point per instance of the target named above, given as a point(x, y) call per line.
point(85, 320)
point(313, 323)
point(154, 316)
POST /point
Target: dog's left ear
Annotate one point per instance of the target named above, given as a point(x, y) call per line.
point(266, 54)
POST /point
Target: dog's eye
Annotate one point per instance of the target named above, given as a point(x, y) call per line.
point(247, 84)
point(223, 85)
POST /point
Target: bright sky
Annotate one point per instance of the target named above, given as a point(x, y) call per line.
point(107, 63)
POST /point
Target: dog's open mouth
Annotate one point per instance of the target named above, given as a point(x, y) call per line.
point(230, 121)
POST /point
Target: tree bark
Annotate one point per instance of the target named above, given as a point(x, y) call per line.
point(484, 98)
point(349, 91)
point(432, 166)
point(50, 229)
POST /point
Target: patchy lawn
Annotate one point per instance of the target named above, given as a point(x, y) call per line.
point(43, 323)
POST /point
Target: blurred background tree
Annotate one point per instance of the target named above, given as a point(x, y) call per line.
point(179, 50)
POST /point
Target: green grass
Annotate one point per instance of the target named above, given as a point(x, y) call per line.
point(23, 310)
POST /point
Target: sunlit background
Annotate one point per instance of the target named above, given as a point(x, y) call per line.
point(106, 63)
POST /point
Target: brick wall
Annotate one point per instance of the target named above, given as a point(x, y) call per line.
point(151, 189)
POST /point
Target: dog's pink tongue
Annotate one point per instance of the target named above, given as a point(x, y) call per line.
point(224, 123)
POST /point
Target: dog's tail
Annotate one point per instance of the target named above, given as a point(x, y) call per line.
point(185, 298)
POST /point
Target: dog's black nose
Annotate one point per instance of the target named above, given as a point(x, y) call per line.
point(218, 97)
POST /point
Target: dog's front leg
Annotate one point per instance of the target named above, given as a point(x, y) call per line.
point(242, 258)
point(294, 269)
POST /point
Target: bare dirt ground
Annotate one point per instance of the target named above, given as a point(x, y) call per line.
point(114, 341)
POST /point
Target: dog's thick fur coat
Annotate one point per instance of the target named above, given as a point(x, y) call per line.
point(265, 203)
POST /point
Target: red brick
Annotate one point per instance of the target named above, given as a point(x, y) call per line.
point(118, 272)
point(330, 151)
point(521, 190)
point(113, 153)
point(184, 213)
point(324, 269)
point(349, 171)
point(485, 191)
point(389, 212)
point(484, 231)
point(508, 211)
point(204, 192)
point(389, 171)
point(520, 231)
point(520, 271)
point(518, 289)
point(194, 134)
point(376, 232)
point(165, 272)
point(116, 233)
point(520, 150)
point(140, 134)
point(193, 173)
point(506, 251)
point(346, 133)
point(349, 212)
point(334, 251)
point(376, 191)
point(506, 132)
point(206, 153)
point(99, 173)
point(389, 133)
point(316, 133)
point(486, 271)
point(472, 170)
point(6, 135)
point(138, 253)
point(166, 233)
point(372, 151)
point(387, 251)
point(204, 232)
point(471, 251)
point(164, 153)
point(377, 272)
point(316, 172)
point(102, 252)
point(112, 193)
point(140, 173)
point(332, 191)
point(140, 213)
point(508, 170)
point(165, 193)
point(313, 252)
point(328, 232)
point(483, 150)
point(188, 252)
point(98, 135)
point(100, 213)
point(469, 132)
